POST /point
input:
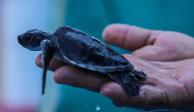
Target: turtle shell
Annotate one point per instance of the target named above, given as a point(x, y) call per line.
point(83, 50)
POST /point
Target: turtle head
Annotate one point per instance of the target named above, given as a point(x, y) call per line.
point(32, 39)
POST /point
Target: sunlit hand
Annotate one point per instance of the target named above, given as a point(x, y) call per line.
point(166, 57)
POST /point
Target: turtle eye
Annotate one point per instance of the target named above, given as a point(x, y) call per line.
point(27, 38)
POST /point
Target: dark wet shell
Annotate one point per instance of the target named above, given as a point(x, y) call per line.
point(83, 50)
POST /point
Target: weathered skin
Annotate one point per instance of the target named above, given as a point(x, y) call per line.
point(82, 50)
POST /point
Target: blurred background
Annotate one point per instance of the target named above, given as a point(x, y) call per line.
point(20, 78)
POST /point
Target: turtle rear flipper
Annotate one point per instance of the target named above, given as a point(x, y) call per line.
point(128, 80)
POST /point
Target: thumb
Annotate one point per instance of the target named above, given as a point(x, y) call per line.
point(127, 36)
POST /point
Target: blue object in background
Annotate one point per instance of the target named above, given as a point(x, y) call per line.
point(93, 15)
point(21, 77)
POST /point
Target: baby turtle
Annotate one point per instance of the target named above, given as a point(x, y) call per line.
point(82, 50)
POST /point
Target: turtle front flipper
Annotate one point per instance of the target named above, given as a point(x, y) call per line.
point(47, 54)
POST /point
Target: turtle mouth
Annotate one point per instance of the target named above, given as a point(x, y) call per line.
point(23, 40)
point(20, 40)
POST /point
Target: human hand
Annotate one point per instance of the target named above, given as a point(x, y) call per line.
point(166, 57)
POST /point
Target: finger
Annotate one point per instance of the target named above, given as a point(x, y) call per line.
point(54, 64)
point(115, 92)
point(79, 78)
point(128, 37)
point(38, 60)
point(149, 96)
